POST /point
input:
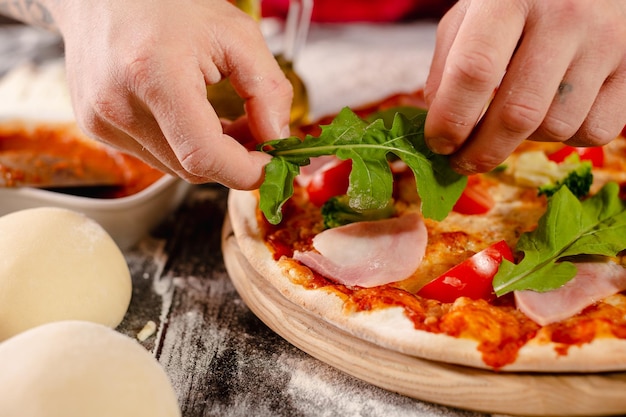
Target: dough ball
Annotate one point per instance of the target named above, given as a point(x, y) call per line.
point(57, 264)
point(79, 369)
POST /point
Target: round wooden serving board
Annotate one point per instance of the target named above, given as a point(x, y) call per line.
point(529, 394)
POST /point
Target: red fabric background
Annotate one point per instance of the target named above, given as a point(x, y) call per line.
point(364, 10)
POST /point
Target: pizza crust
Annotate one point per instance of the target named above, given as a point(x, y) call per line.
point(391, 329)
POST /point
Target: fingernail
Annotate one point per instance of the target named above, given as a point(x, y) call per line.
point(464, 167)
point(440, 145)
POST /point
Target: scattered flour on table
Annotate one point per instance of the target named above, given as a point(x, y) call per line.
point(162, 286)
point(318, 388)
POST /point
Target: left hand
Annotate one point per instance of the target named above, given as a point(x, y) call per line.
point(558, 69)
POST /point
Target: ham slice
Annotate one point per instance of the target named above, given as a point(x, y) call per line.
point(369, 253)
point(593, 282)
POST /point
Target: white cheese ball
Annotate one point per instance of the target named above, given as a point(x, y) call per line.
point(57, 264)
point(80, 369)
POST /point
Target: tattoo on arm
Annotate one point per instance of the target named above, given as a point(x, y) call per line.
point(29, 11)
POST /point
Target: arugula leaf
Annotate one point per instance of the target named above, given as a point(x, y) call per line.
point(387, 115)
point(371, 180)
point(570, 227)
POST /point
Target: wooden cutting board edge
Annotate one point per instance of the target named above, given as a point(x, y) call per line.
point(522, 394)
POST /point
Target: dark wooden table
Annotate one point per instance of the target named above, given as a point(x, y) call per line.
point(221, 359)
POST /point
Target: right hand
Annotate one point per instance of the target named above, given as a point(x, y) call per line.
point(558, 70)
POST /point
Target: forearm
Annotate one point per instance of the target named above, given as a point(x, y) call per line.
point(34, 12)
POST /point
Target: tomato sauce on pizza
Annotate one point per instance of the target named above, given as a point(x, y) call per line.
point(500, 329)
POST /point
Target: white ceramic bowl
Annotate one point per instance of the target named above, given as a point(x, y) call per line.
point(33, 94)
point(127, 219)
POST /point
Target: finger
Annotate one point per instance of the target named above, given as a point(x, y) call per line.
point(239, 129)
point(256, 77)
point(572, 102)
point(606, 118)
point(267, 92)
point(588, 83)
point(159, 157)
point(474, 67)
point(194, 131)
point(447, 30)
point(521, 102)
point(134, 131)
point(114, 137)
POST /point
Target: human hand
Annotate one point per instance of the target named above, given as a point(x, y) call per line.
point(138, 71)
point(558, 69)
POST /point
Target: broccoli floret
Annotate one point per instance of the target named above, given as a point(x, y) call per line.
point(578, 181)
point(534, 169)
point(337, 212)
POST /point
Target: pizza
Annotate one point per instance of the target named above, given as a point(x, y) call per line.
point(518, 269)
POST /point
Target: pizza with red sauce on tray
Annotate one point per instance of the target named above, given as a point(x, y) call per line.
point(518, 269)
